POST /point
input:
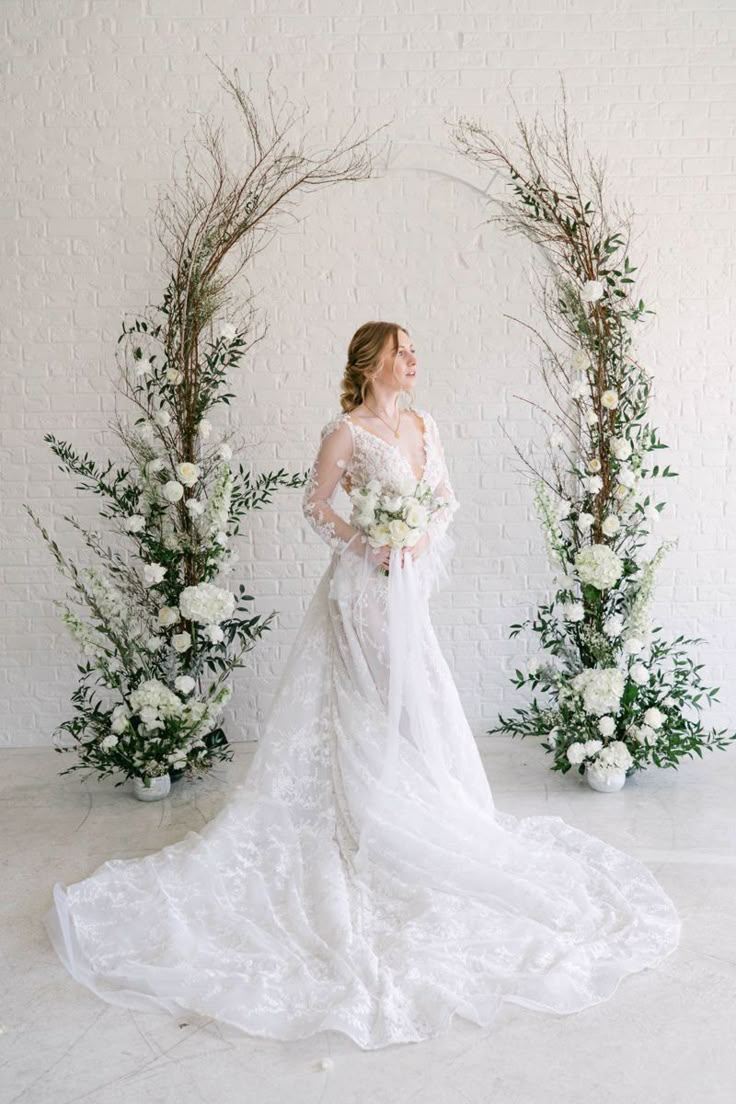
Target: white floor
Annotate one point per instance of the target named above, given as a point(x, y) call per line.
point(665, 1037)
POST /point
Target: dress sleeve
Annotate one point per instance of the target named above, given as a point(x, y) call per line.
point(444, 489)
point(334, 453)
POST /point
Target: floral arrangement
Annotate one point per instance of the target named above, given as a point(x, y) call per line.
point(159, 634)
point(397, 516)
point(619, 696)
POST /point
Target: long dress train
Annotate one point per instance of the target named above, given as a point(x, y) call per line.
point(360, 878)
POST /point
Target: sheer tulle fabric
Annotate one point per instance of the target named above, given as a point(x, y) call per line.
point(361, 879)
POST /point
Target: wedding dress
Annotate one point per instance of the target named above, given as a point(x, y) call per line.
point(360, 878)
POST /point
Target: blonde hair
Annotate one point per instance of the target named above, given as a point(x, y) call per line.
point(364, 350)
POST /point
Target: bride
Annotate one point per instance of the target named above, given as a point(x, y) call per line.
point(360, 878)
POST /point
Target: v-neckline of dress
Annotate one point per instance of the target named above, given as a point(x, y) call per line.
point(391, 445)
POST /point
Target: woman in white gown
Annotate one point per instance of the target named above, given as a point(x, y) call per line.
point(360, 878)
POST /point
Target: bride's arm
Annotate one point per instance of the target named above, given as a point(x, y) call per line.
point(335, 450)
point(441, 518)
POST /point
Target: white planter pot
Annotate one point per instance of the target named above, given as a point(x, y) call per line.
point(604, 780)
point(154, 791)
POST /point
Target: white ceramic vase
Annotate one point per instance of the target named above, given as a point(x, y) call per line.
point(154, 791)
point(605, 780)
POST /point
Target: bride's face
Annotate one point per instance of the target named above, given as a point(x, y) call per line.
point(399, 368)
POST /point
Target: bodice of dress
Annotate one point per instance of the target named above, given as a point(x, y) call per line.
point(351, 456)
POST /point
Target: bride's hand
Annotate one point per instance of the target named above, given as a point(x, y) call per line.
point(415, 550)
point(380, 556)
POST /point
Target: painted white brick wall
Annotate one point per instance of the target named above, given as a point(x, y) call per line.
point(99, 96)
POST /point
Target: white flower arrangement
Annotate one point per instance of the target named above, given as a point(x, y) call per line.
point(617, 693)
point(397, 516)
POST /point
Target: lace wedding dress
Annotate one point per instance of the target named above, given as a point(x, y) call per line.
point(360, 879)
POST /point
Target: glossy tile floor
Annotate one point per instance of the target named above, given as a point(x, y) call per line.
point(665, 1037)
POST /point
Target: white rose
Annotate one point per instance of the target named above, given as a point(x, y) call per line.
point(653, 717)
point(591, 291)
point(416, 516)
point(593, 484)
point(610, 525)
point(626, 476)
point(606, 725)
point(580, 360)
point(594, 464)
point(620, 448)
point(188, 473)
point(585, 521)
point(108, 742)
point(172, 491)
point(173, 375)
point(162, 418)
point(167, 616)
point(153, 573)
point(184, 684)
point(609, 399)
point(639, 674)
point(154, 643)
point(181, 641)
point(154, 466)
point(591, 418)
point(135, 523)
point(633, 645)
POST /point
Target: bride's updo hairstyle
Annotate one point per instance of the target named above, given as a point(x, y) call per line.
point(364, 363)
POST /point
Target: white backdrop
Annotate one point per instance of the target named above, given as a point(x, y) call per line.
point(102, 93)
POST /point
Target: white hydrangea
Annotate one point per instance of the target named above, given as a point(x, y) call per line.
point(598, 565)
point(206, 603)
point(153, 701)
point(615, 756)
point(601, 689)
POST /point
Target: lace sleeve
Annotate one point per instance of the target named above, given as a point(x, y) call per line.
point(335, 451)
point(442, 518)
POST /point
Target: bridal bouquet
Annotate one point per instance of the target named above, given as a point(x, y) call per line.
point(396, 515)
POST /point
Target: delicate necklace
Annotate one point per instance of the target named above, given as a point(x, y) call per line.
point(394, 431)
